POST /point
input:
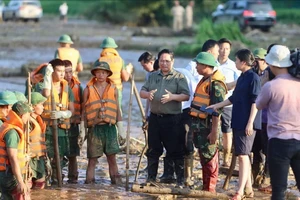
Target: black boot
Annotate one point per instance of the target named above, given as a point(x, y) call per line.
point(152, 169)
point(168, 174)
point(179, 170)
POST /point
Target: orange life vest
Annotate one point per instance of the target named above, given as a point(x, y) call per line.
point(62, 103)
point(111, 56)
point(71, 54)
point(202, 97)
point(75, 86)
point(13, 122)
point(100, 109)
point(37, 137)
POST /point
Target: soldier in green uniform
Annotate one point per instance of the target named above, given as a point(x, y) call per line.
point(7, 99)
point(211, 89)
point(64, 98)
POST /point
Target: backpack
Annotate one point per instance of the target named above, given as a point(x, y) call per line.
point(294, 70)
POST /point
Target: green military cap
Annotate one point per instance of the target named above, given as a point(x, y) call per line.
point(37, 98)
point(101, 65)
point(65, 39)
point(206, 59)
point(260, 53)
point(20, 96)
point(7, 98)
point(21, 108)
point(108, 43)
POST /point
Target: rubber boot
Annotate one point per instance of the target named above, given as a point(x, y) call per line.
point(210, 173)
point(152, 169)
point(19, 196)
point(39, 184)
point(168, 174)
point(188, 170)
point(226, 154)
point(179, 170)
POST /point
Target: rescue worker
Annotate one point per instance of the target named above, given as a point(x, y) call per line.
point(211, 89)
point(102, 112)
point(7, 99)
point(75, 136)
point(177, 12)
point(66, 52)
point(12, 157)
point(120, 73)
point(20, 96)
point(37, 143)
point(64, 99)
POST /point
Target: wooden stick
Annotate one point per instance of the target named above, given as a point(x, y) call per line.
point(128, 134)
point(178, 191)
point(230, 172)
point(55, 140)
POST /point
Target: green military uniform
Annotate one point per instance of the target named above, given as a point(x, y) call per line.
point(8, 182)
point(63, 138)
point(201, 128)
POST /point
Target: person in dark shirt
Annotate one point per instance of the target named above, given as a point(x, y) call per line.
point(244, 121)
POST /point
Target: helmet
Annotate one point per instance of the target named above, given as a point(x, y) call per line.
point(20, 96)
point(206, 59)
point(108, 43)
point(37, 98)
point(101, 65)
point(7, 98)
point(65, 39)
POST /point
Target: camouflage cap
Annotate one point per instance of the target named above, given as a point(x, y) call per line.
point(20, 96)
point(37, 98)
point(260, 53)
point(21, 108)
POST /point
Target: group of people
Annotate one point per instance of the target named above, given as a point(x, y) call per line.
point(56, 102)
point(185, 108)
point(182, 16)
point(253, 100)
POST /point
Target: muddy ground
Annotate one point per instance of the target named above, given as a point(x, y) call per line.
point(22, 43)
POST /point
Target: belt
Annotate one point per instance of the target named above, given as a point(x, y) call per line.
point(163, 115)
point(186, 110)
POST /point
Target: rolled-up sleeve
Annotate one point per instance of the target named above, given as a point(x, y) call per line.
point(183, 87)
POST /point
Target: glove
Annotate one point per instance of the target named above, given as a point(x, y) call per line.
point(121, 133)
point(61, 114)
point(82, 134)
point(48, 77)
point(129, 68)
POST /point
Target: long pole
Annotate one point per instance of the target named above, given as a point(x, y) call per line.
point(55, 140)
point(128, 133)
point(138, 99)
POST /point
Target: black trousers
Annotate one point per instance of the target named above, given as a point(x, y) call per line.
point(166, 131)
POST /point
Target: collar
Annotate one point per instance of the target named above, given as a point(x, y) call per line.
point(171, 72)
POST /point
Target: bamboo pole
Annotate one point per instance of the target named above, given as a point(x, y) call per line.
point(178, 191)
point(55, 140)
point(230, 172)
point(128, 133)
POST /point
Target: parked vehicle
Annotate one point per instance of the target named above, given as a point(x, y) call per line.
point(23, 10)
point(247, 13)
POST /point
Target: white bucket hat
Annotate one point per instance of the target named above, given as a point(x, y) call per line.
point(279, 56)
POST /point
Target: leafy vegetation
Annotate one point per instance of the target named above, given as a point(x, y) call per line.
point(208, 30)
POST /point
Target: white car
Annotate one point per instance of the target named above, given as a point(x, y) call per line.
point(23, 10)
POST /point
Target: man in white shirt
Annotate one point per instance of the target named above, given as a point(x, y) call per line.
point(229, 70)
point(189, 14)
point(63, 10)
point(210, 46)
point(177, 12)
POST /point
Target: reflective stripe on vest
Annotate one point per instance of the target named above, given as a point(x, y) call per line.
point(61, 104)
point(75, 86)
point(101, 110)
point(111, 56)
point(202, 97)
point(13, 122)
point(37, 137)
point(71, 54)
